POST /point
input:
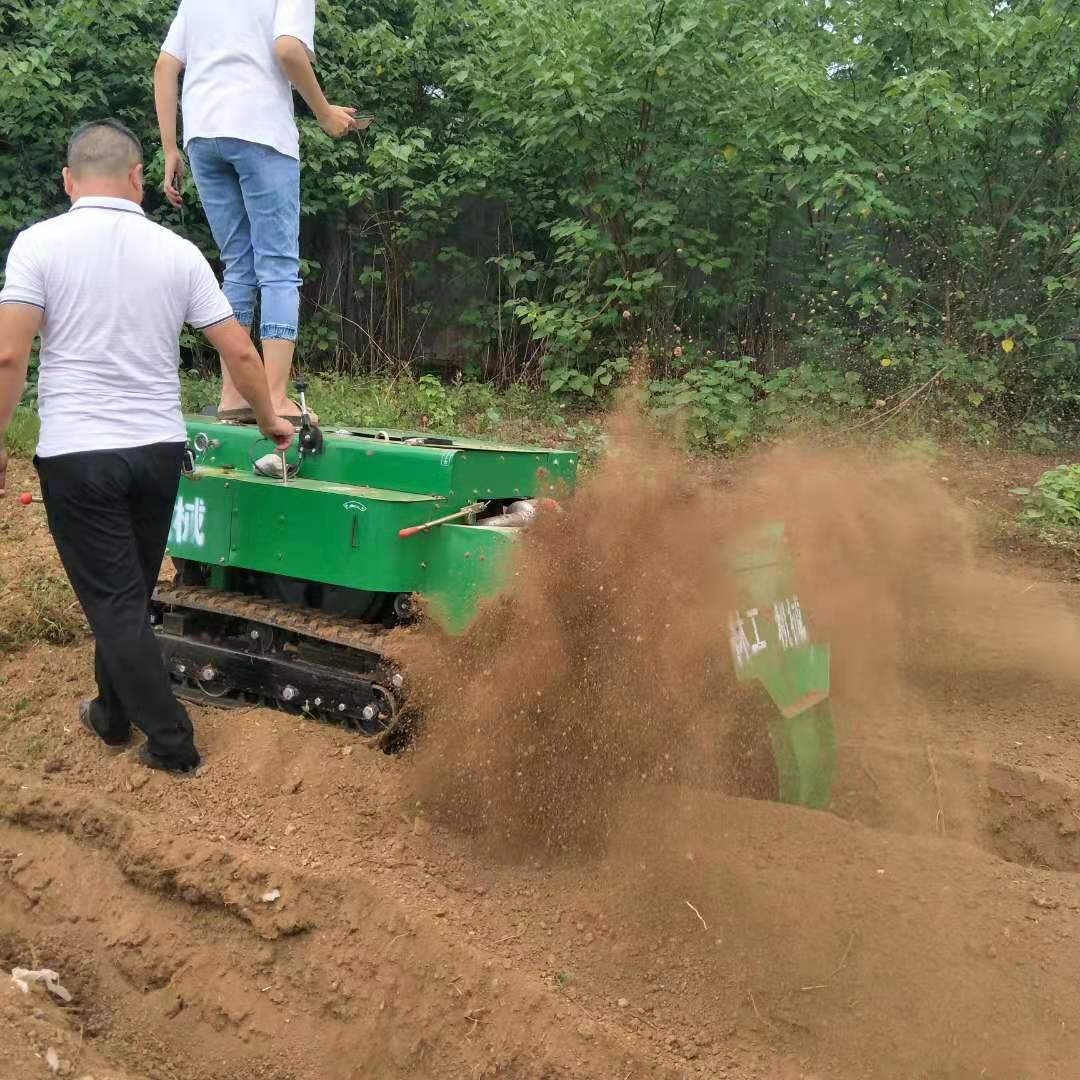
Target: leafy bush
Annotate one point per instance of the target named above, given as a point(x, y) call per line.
point(1055, 499)
point(847, 192)
point(728, 402)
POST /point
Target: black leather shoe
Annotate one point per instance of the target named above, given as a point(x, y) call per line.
point(86, 718)
point(144, 757)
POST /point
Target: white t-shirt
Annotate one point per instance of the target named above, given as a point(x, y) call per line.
point(116, 290)
point(234, 87)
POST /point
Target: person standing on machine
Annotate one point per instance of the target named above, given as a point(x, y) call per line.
point(110, 291)
point(241, 60)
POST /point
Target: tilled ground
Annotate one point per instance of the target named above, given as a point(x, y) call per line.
point(293, 912)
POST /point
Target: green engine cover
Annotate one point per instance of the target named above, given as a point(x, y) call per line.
point(338, 522)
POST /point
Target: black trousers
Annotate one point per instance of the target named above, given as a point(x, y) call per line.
point(109, 512)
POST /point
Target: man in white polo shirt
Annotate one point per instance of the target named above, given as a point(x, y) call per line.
point(109, 291)
point(241, 60)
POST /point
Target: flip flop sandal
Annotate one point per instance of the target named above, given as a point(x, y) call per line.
point(236, 414)
point(296, 419)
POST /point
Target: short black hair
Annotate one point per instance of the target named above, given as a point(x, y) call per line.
point(103, 148)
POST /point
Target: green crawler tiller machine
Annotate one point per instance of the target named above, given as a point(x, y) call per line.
point(291, 571)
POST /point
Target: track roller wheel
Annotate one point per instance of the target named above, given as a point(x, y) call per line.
point(262, 639)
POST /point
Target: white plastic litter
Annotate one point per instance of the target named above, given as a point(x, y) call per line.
point(270, 465)
point(24, 977)
point(271, 896)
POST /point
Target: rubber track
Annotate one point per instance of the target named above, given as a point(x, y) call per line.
point(341, 630)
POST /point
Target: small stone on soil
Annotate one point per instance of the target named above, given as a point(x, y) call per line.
point(1045, 903)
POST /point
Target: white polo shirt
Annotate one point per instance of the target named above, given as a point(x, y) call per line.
point(234, 87)
point(116, 290)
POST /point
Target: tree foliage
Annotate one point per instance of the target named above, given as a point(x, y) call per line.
point(886, 192)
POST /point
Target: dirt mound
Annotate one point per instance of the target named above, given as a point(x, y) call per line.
point(681, 953)
point(607, 665)
point(600, 692)
point(202, 957)
point(891, 957)
point(307, 910)
point(37, 1034)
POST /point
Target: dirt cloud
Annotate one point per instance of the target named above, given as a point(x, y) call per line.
point(607, 665)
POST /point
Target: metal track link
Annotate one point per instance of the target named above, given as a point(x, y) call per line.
point(341, 630)
point(314, 683)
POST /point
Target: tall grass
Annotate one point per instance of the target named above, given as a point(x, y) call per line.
point(518, 415)
point(22, 432)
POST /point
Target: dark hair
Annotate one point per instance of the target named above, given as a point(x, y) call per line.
point(103, 146)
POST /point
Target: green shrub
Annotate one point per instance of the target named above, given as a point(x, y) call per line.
point(1054, 501)
point(851, 187)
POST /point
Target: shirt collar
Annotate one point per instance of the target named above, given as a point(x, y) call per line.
point(106, 202)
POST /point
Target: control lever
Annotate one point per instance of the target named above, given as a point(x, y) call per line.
point(311, 437)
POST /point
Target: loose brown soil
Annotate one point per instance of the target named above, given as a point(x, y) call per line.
point(306, 909)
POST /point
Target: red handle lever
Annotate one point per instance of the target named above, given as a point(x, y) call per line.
point(412, 530)
point(27, 497)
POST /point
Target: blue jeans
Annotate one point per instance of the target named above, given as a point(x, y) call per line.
point(251, 195)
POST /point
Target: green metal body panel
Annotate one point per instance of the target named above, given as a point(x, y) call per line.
point(466, 565)
point(459, 474)
point(770, 644)
point(338, 522)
